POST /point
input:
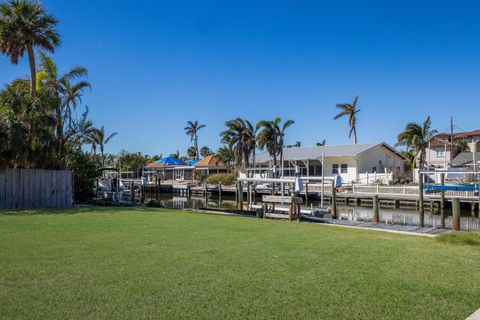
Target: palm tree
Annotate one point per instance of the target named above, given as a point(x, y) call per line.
point(99, 139)
point(350, 111)
point(24, 26)
point(225, 154)
point(322, 144)
point(271, 137)
point(191, 130)
point(415, 137)
point(240, 138)
point(205, 152)
point(191, 153)
point(66, 94)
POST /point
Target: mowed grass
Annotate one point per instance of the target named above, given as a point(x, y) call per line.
point(110, 263)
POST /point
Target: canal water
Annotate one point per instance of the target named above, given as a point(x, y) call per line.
point(353, 213)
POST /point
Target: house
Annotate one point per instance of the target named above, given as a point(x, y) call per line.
point(176, 169)
point(444, 147)
point(208, 165)
point(358, 163)
point(464, 160)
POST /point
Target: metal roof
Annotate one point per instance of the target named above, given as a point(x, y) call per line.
point(313, 153)
point(465, 158)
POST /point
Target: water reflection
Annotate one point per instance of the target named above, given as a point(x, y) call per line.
point(351, 213)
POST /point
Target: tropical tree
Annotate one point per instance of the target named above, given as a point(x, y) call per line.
point(240, 138)
point(226, 155)
point(205, 152)
point(191, 130)
point(192, 153)
point(271, 137)
point(25, 26)
point(322, 144)
point(98, 139)
point(461, 146)
point(349, 110)
point(175, 155)
point(64, 95)
point(415, 137)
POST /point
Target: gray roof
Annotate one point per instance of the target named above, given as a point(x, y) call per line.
point(312, 153)
point(465, 158)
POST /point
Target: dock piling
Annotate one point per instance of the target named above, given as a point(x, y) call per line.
point(376, 217)
point(456, 214)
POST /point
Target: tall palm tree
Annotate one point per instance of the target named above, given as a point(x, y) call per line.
point(271, 136)
point(415, 137)
point(24, 26)
point(351, 111)
point(191, 130)
point(99, 139)
point(65, 93)
point(240, 138)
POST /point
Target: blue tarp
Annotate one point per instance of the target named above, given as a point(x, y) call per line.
point(192, 162)
point(171, 161)
point(455, 187)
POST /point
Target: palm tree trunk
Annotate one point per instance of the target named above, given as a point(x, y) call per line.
point(33, 71)
point(355, 134)
point(196, 147)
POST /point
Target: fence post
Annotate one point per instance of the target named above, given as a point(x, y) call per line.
point(375, 209)
point(420, 198)
point(378, 187)
point(456, 214)
point(334, 200)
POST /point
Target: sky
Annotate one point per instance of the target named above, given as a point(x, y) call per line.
point(154, 65)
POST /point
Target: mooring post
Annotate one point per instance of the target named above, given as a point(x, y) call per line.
point(334, 200)
point(220, 194)
point(376, 217)
point(306, 193)
point(472, 207)
point(132, 187)
point(420, 201)
point(240, 195)
point(456, 214)
point(442, 202)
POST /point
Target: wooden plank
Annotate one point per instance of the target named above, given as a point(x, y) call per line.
point(25, 176)
point(3, 200)
point(69, 195)
point(282, 199)
point(8, 188)
point(43, 190)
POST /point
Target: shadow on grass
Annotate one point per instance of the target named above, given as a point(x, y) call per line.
point(460, 239)
point(77, 210)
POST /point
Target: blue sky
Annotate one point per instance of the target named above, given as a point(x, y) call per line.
point(156, 64)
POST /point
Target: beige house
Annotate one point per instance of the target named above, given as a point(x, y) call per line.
point(442, 150)
point(360, 163)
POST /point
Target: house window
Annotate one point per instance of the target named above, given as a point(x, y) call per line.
point(343, 168)
point(440, 152)
point(335, 168)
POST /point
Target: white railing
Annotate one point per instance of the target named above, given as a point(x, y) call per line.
point(369, 178)
point(432, 221)
point(408, 190)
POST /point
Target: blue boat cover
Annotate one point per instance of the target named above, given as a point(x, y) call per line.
point(192, 162)
point(455, 187)
point(171, 161)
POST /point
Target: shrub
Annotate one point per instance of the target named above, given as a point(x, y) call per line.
point(222, 178)
point(84, 174)
point(460, 238)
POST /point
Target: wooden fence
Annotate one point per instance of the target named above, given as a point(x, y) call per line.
point(35, 188)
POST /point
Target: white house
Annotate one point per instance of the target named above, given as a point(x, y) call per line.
point(360, 163)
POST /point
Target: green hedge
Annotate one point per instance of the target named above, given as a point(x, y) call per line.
point(222, 178)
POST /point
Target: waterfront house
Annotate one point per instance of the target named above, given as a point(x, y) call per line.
point(354, 163)
point(176, 169)
point(443, 148)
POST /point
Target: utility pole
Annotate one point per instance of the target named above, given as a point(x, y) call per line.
point(451, 139)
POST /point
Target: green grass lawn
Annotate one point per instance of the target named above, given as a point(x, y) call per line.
point(126, 263)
